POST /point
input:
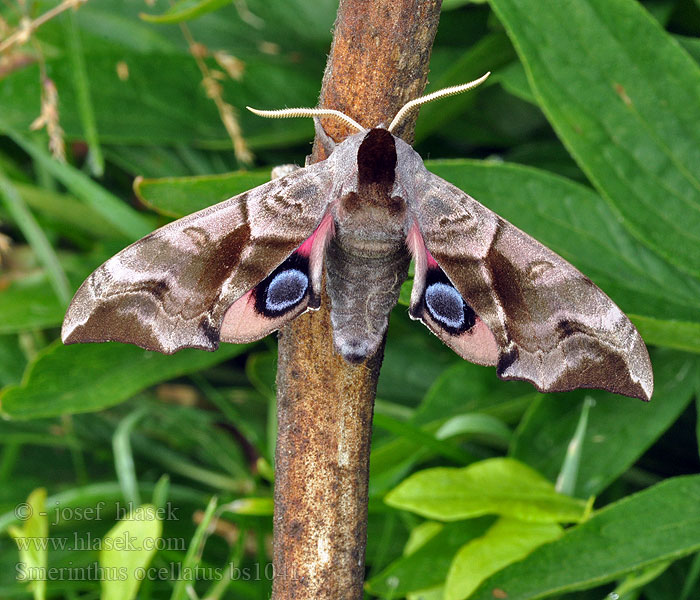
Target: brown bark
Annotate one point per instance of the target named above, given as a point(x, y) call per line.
point(378, 61)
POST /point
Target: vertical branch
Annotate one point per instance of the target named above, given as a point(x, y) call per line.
point(378, 61)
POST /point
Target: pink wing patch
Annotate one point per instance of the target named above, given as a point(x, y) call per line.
point(243, 323)
point(436, 302)
point(291, 289)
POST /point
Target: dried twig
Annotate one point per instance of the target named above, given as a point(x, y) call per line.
point(27, 26)
point(213, 89)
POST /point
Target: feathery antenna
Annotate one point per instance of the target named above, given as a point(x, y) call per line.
point(450, 91)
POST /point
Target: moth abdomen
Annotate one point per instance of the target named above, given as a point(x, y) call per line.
point(363, 287)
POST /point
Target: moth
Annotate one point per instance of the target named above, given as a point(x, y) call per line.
point(241, 269)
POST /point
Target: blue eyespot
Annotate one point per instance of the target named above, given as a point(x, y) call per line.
point(445, 305)
point(285, 290)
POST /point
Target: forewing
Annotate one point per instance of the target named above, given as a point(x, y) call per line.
point(172, 288)
point(550, 324)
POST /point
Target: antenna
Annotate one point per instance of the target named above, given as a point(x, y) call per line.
point(450, 91)
point(409, 106)
point(306, 112)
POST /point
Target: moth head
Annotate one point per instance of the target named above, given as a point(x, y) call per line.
point(400, 116)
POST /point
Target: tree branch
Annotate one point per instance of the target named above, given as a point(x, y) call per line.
point(378, 62)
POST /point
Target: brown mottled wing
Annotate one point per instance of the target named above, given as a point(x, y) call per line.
point(552, 325)
point(170, 290)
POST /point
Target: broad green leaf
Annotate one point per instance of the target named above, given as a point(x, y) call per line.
point(427, 566)
point(181, 196)
point(421, 534)
point(638, 579)
point(619, 429)
point(87, 377)
point(29, 303)
point(658, 524)
point(577, 224)
point(163, 101)
point(465, 388)
point(128, 549)
point(12, 360)
point(421, 438)
point(622, 95)
point(473, 423)
point(681, 335)
point(454, 402)
point(408, 344)
point(507, 541)
point(487, 54)
point(501, 486)
point(29, 539)
point(513, 78)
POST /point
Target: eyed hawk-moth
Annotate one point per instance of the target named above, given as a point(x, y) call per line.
point(239, 270)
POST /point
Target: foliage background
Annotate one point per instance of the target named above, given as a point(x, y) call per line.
point(587, 136)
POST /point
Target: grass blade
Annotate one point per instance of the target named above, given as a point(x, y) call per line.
point(36, 239)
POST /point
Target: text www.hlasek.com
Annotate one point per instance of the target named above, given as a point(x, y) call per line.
point(124, 542)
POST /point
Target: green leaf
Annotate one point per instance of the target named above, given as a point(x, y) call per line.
point(81, 84)
point(487, 54)
point(179, 196)
point(577, 224)
point(186, 10)
point(622, 95)
point(33, 555)
point(29, 303)
point(124, 218)
point(499, 486)
point(163, 101)
point(658, 524)
point(681, 335)
point(12, 360)
point(566, 480)
point(473, 423)
point(260, 507)
point(36, 238)
point(124, 456)
point(465, 388)
point(128, 549)
point(88, 377)
point(194, 553)
point(428, 565)
point(67, 210)
point(507, 541)
point(619, 429)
